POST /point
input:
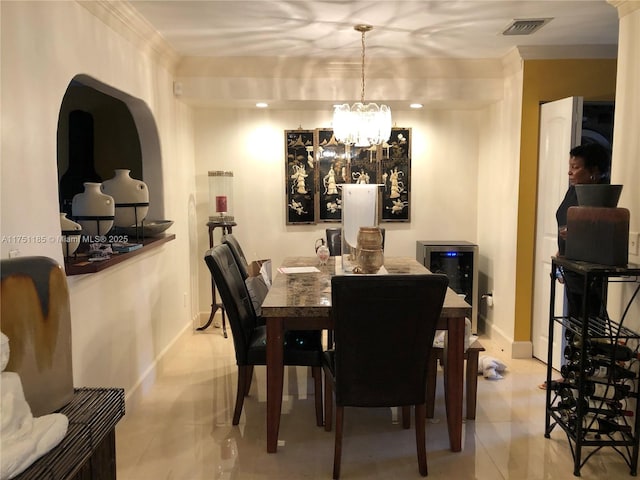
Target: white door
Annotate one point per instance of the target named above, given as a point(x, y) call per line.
point(560, 130)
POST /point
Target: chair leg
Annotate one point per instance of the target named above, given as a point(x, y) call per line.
point(337, 453)
point(328, 403)
point(432, 373)
point(248, 380)
point(317, 380)
point(242, 385)
point(472, 383)
point(421, 442)
point(224, 325)
point(406, 417)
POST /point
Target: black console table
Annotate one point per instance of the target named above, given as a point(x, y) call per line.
point(227, 227)
point(88, 450)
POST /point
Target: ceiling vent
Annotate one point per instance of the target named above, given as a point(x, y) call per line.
point(526, 26)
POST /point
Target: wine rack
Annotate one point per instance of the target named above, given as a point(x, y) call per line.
point(596, 401)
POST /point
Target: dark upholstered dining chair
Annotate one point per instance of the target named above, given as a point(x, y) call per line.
point(300, 337)
point(249, 338)
point(334, 240)
point(238, 254)
point(374, 365)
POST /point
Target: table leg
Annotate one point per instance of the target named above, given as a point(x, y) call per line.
point(275, 374)
point(453, 380)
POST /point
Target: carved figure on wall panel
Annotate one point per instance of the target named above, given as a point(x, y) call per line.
point(395, 165)
point(300, 176)
point(364, 164)
point(333, 169)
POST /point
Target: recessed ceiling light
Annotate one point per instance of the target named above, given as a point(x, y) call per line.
point(416, 105)
point(262, 105)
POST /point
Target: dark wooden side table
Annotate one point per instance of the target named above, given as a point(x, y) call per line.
point(227, 227)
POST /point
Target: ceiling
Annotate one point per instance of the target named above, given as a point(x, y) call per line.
point(324, 29)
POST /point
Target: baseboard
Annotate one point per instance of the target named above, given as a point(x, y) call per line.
point(147, 379)
point(508, 345)
point(522, 349)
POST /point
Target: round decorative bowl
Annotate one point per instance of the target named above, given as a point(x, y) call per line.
point(598, 195)
point(151, 228)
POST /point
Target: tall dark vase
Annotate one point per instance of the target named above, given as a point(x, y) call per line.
point(81, 160)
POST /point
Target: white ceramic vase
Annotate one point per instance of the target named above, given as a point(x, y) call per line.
point(93, 203)
point(131, 197)
point(71, 233)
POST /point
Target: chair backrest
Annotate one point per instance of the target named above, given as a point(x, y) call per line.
point(235, 297)
point(384, 328)
point(334, 240)
point(238, 254)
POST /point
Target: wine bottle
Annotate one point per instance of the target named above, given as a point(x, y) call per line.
point(604, 390)
point(595, 407)
point(603, 426)
point(597, 368)
point(563, 389)
point(599, 346)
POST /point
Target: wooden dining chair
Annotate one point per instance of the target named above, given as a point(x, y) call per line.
point(384, 329)
point(249, 337)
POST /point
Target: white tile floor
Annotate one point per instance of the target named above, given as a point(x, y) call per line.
point(181, 429)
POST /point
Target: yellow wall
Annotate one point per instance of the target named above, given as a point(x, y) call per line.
point(543, 81)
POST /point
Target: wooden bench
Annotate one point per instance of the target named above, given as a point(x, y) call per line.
point(88, 450)
point(471, 377)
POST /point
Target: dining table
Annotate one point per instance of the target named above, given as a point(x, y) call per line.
point(300, 299)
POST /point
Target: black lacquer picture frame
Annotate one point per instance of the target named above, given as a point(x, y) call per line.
point(395, 177)
point(300, 174)
point(332, 169)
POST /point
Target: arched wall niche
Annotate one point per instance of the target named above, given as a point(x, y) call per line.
point(100, 129)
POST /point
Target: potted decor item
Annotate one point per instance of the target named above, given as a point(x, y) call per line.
point(71, 232)
point(369, 256)
point(131, 197)
point(598, 195)
point(322, 251)
point(93, 210)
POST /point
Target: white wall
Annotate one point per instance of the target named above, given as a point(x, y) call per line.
point(250, 142)
point(498, 177)
point(626, 144)
point(123, 317)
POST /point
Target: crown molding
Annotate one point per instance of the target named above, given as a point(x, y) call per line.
point(512, 62)
point(127, 21)
point(625, 7)
point(558, 52)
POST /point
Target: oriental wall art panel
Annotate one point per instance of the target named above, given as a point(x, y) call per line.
point(395, 177)
point(316, 164)
point(300, 176)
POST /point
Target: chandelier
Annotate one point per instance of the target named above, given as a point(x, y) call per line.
point(360, 124)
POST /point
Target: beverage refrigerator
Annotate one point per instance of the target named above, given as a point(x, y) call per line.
point(458, 260)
